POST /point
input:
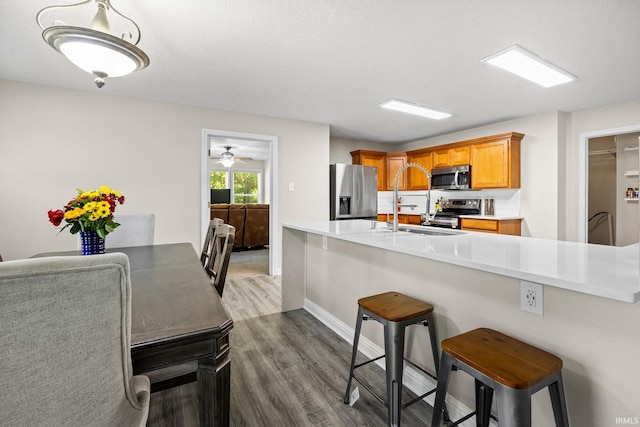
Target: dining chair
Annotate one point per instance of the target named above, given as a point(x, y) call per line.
point(218, 263)
point(207, 247)
point(136, 229)
point(65, 356)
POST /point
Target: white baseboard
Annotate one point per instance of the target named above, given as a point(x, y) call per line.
point(415, 380)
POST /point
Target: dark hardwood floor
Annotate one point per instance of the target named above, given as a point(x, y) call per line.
point(287, 369)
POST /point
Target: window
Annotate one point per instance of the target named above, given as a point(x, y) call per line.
point(246, 186)
point(218, 179)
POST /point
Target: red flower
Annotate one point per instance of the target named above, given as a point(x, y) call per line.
point(56, 217)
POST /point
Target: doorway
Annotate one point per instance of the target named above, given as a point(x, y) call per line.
point(270, 178)
point(608, 211)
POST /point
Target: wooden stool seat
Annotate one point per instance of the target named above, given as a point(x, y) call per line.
point(505, 359)
point(506, 367)
point(394, 306)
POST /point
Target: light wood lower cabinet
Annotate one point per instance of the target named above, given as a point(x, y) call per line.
point(495, 226)
point(402, 218)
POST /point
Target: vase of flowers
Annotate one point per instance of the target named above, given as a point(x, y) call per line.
point(91, 215)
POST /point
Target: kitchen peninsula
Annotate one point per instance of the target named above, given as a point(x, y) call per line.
point(473, 280)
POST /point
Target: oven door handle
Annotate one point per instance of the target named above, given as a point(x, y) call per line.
point(455, 180)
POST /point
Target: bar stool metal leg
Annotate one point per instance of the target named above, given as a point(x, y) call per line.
point(435, 345)
point(394, 351)
point(446, 364)
point(356, 338)
point(484, 397)
point(556, 392)
point(514, 407)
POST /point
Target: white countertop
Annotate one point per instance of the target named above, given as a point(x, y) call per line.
point(605, 271)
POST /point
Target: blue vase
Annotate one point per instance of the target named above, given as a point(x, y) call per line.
point(91, 243)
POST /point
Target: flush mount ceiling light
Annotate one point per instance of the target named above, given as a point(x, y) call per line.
point(95, 49)
point(530, 66)
point(411, 108)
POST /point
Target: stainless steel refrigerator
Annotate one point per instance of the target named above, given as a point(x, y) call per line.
point(354, 191)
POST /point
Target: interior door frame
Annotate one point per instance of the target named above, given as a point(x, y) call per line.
point(273, 190)
point(583, 173)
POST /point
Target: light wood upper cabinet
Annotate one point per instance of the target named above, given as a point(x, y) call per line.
point(495, 161)
point(459, 156)
point(440, 158)
point(415, 178)
point(395, 161)
point(373, 158)
point(444, 157)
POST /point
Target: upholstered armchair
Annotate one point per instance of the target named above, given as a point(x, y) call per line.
point(65, 356)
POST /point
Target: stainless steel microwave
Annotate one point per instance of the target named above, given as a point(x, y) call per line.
point(451, 178)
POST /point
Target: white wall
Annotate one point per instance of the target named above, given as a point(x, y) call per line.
point(54, 140)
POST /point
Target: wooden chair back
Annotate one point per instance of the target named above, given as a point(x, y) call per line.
point(218, 263)
point(207, 247)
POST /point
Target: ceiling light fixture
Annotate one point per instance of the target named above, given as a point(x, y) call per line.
point(519, 61)
point(95, 49)
point(411, 108)
point(227, 158)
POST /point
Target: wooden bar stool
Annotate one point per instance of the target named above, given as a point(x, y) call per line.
point(395, 311)
point(511, 369)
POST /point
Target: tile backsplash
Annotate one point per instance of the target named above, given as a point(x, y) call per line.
point(506, 202)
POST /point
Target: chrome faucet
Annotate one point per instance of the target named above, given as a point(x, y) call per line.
point(395, 193)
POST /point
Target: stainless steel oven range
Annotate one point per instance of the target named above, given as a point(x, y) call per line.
point(449, 217)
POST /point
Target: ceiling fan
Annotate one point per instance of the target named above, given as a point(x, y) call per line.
point(227, 158)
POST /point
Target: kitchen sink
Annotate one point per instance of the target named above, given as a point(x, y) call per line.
point(429, 231)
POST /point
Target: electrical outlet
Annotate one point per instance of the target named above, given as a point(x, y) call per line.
point(324, 242)
point(531, 297)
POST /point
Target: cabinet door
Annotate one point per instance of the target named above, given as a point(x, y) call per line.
point(441, 158)
point(503, 226)
point(373, 158)
point(395, 161)
point(486, 225)
point(490, 165)
point(414, 219)
point(415, 178)
point(459, 156)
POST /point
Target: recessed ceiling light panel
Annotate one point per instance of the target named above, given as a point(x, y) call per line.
point(411, 108)
point(528, 65)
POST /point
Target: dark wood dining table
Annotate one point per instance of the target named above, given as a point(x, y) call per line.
point(177, 318)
